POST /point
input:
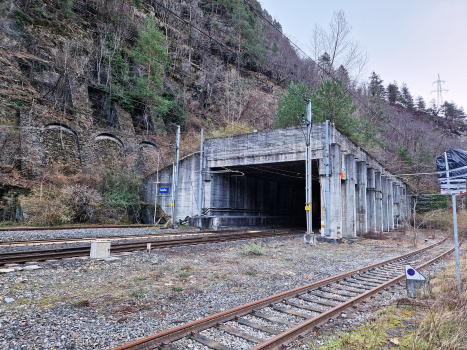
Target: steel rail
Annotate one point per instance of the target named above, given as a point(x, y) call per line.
point(85, 227)
point(122, 237)
point(306, 327)
point(37, 255)
point(168, 336)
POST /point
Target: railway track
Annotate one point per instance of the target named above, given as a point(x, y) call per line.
point(58, 228)
point(39, 242)
point(208, 237)
point(278, 320)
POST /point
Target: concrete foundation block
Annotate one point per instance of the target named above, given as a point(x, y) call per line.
point(418, 289)
point(309, 239)
point(203, 222)
point(100, 249)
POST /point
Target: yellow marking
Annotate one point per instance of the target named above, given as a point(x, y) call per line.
point(171, 204)
point(307, 207)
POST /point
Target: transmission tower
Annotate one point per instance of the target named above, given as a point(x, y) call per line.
point(439, 90)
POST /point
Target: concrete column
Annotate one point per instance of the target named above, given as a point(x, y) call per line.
point(361, 198)
point(349, 228)
point(370, 199)
point(335, 205)
point(384, 183)
point(378, 203)
point(391, 205)
point(397, 209)
point(322, 181)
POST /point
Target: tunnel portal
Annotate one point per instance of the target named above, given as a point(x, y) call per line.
point(270, 194)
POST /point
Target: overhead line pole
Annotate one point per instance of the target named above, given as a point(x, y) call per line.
point(309, 180)
point(200, 191)
point(175, 179)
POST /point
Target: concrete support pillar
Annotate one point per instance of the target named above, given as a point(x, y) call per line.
point(335, 205)
point(384, 185)
point(391, 205)
point(361, 198)
point(378, 203)
point(397, 209)
point(349, 208)
point(322, 183)
point(370, 199)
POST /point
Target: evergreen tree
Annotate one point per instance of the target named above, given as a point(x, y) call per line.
point(376, 85)
point(330, 101)
point(249, 34)
point(420, 103)
point(325, 62)
point(151, 56)
point(406, 97)
point(393, 92)
point(451, 110)
point(343, 75)
point(290, 105)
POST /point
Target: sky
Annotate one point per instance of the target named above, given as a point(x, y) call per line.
point(408, 41)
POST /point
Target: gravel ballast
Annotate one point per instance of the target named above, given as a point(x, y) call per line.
point(89, 304)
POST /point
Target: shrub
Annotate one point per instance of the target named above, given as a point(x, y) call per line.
point(177, 289)
point(137, 294)
point(81, 303)
point(253, 248)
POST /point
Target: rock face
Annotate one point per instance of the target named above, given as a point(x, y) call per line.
point(63, 95)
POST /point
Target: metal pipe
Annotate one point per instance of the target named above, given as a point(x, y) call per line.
point(326, 183)
point(456, 244)
point(200, 192)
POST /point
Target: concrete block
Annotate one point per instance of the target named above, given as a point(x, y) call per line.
point(32, 267)
point(100, 249)
point(418, 289)
point(203, 222)
point(309, 239)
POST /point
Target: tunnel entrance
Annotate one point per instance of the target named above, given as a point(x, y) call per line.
point(270, 194)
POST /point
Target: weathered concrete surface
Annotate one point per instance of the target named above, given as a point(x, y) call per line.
point(258, 179)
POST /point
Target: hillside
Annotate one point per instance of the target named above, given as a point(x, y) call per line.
point(86, 107)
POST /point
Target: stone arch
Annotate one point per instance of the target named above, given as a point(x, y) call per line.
point(149, 144)
point(109, 136)
point(61, 148)
point(148, 156)
point(108, 148)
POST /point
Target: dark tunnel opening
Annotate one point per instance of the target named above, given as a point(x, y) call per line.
point(271, 194)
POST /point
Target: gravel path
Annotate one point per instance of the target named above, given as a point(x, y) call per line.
point(88, 304)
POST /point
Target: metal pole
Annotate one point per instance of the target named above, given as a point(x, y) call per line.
point(177, 159)
point(456, 243)
point(326, 183)
point(309, 181)
point(200, 192)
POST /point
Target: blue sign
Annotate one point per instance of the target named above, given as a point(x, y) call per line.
point(164, 190)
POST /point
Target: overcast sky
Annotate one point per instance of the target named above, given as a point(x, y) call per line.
point(409, 41)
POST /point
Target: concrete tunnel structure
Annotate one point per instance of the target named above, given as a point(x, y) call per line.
point(258, 179)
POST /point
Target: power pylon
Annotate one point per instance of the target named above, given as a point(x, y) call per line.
point(439, 90)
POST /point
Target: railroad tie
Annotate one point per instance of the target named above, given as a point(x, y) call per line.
point(232, 331)
point(274, 319)
point(209, 342)
point(320, 302)
point(306, 307)
point(291, 312)
point(336, 298)
point(258, 326)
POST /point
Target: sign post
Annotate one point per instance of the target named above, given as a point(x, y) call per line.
point(452, 175)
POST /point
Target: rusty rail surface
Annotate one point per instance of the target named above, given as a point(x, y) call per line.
point(45, 254)
point(168, 336)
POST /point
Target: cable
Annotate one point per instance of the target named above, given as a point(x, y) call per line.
point(325, 71)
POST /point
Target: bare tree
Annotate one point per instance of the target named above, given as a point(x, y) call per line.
point(338, 44)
